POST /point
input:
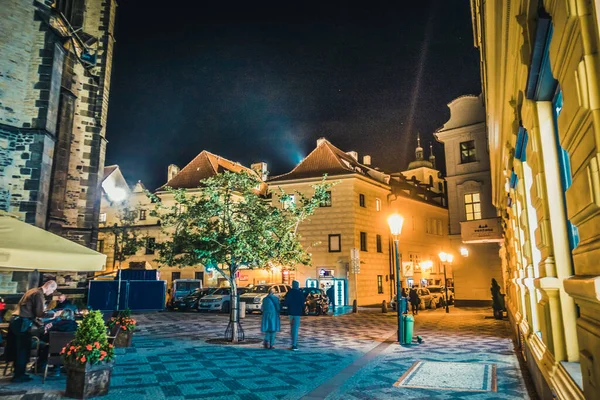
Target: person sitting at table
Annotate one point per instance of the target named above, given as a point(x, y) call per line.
point(63, 303)
point(65, 323)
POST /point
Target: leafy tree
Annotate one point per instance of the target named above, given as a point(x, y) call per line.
point(127, 236)
point(227, 223)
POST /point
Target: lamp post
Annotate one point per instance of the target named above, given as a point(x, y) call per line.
point(395, 222)
point(446, 258)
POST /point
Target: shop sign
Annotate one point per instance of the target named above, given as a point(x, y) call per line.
point(481, 231)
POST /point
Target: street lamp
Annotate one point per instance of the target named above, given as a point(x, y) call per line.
point(395, 222)
point(446, 258)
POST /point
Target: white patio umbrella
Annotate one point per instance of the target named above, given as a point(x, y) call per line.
point(26, 247)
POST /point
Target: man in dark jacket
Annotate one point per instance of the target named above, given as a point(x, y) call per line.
point(331, 296)
point(18, 347)
point(413, 297)
point(294, 299)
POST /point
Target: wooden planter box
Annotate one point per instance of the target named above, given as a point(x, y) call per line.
point(123, 339)
point(84, 381)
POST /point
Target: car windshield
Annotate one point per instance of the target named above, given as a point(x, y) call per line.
point(261, 289)
point(221, 291)
point(186, 286)
point(242, 290)
point(435, 290)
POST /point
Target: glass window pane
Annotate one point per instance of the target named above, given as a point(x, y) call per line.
point(469, 217)
point(475, 197)
point(468, 198)
point(477, 215)
point(477, 207)
point(469, 208)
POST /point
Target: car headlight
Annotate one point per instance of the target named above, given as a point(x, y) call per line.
point(257, 299)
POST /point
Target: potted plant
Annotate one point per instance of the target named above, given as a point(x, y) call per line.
point(89, 359)
point(122, 327)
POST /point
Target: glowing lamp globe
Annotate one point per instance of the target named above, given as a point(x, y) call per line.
point(443, 256)
point(450, 258)
point(395, 222)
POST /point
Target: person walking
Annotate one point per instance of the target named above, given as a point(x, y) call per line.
point(331, 296)
point(18, 346)
point(294, 300)
point(270, 324)
point(413, 297)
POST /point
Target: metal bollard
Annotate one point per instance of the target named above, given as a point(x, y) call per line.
point(384, 308)
point(354, 306)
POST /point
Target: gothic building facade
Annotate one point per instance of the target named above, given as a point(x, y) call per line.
point(55, 67)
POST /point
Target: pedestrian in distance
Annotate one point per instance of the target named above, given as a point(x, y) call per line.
point(331, 296)
point(413, 297)
point(294, 300)
point(270, 323)
point(29, 309)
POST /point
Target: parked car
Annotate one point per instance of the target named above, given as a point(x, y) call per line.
point(427, 299)
point(191, 301)
point(256, 295)
point(183, 287)
point(315, 301)
point(219, 300)
point(439, 293)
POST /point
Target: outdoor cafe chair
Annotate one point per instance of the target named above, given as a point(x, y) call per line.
point(57, 341)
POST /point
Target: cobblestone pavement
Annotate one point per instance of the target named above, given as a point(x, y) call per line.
point(346, 357)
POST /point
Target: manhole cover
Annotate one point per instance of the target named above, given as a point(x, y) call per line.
point(227, 342)
point(472, 377)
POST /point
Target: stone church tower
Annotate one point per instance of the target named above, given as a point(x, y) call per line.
point(55, 66)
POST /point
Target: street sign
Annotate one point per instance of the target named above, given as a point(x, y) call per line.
point(355, 261)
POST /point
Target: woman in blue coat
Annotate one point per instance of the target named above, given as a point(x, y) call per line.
point(270, 319)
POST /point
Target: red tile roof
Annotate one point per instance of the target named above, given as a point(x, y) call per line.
point(204, 166)
point(328, 159)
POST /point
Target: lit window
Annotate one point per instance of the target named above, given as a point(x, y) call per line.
point(472, 206)
point(327, 201)
point(291, 199)
point(102, 217)
point(380, 284)
point(142, 215)
point(335, 243)
point(378, 204)
point(467, 152)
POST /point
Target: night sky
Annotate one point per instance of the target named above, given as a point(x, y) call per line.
point(261, 82)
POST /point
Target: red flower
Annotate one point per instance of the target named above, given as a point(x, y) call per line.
point(102, 353)
point(97, 345)
point(101, 358)
point(83, 359)
point(123, 327)
point(63, 350)
point(89, 347)
point(110, 345)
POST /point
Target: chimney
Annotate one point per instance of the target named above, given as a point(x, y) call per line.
point(367, 160)
point(320, 141)
point(261, 169)
point(172, 171)
point(353, 154)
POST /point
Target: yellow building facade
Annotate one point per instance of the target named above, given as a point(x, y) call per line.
point(540, 66)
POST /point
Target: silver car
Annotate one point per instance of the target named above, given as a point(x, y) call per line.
point(257, 294)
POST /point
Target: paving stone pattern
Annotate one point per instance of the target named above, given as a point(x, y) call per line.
point(171, 359)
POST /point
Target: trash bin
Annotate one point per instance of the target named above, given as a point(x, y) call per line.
point(409, 325)
point(242, 309)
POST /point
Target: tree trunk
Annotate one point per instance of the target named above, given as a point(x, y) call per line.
point(234, 314)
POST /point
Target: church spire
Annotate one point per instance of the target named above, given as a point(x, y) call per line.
point(431, 156)
point(419, 149)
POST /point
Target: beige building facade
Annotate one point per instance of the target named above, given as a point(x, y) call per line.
point(355, 217)
point(540, 75)
point(475, 231)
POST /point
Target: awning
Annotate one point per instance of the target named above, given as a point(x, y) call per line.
point(24, 246)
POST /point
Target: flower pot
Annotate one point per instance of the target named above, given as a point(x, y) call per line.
point(123, 339)
point(86, 380)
